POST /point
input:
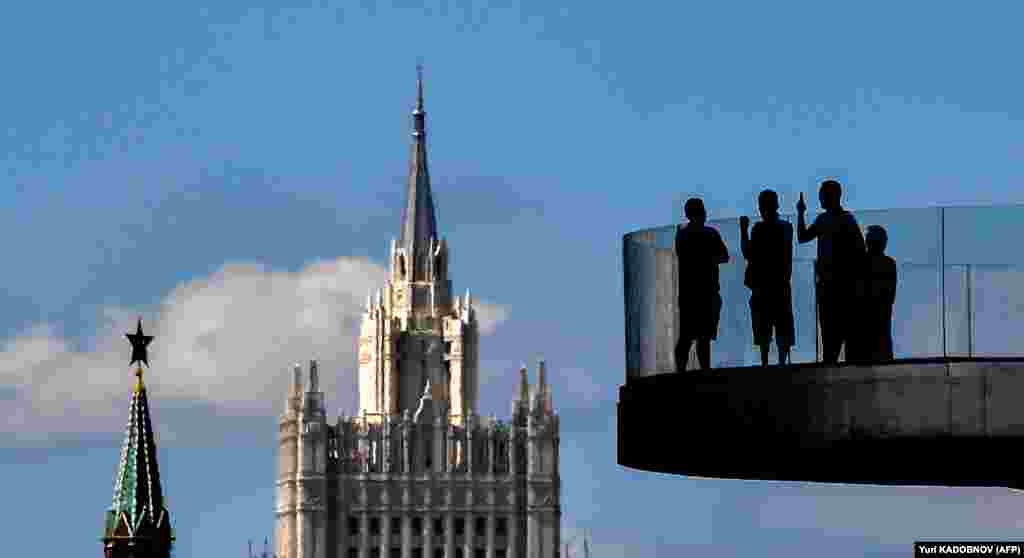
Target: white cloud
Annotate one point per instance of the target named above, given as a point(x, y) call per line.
point(224, 341)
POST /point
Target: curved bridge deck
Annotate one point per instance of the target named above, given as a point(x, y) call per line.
point(944, 421)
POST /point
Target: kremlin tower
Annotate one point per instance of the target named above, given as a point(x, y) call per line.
point(138, 524)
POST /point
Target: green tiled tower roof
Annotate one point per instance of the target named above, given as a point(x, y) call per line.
point(138, 523)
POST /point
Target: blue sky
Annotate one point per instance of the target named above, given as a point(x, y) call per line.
point(234, 175)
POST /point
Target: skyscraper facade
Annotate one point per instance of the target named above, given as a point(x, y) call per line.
point(416, 472)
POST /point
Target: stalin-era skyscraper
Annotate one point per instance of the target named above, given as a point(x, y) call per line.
point(417, 474)
point(138, 524)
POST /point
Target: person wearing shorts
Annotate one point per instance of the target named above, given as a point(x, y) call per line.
point(699, 250)
point(768, 249)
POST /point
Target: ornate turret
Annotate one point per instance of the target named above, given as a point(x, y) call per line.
point(138, 524)
point(415, 330)
point(304, 449)
point(541, 399)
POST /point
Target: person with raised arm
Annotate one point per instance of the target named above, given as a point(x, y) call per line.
point(840, 257)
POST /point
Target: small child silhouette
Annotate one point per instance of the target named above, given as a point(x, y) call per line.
point(877, 295)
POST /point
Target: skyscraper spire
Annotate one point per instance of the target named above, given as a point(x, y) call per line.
point(138, 523)
point(419, 95)
point(418, 222)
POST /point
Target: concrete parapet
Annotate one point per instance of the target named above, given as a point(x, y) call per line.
point(925, 421)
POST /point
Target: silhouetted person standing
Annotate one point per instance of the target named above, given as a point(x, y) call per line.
point(769, 255)
point(877, 295)
point(699, 251)
point(840, 253)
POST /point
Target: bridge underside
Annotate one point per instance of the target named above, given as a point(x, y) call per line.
point(950, 422)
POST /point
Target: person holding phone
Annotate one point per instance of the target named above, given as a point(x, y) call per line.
point(840, 257)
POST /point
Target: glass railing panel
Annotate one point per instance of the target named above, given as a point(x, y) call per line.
point(915, 235)
point(984, 235)
point(957, 326)
point(806, 347)
point(647, 272)
point(996, 310)
point(970, 308)
point(734, 333)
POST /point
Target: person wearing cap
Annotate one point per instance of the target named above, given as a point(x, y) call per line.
point(699, 252)
point(840, 257)
point(768, 249)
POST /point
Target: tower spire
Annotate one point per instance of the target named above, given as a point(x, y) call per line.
point(419, 90)
point(138, 523)
point(418, 222)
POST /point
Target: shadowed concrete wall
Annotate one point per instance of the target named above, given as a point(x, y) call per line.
point(903, 423)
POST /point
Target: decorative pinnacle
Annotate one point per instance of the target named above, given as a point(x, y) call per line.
point(139, 343)
point(524, 384)
point(418, 115)
point(419, 88)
